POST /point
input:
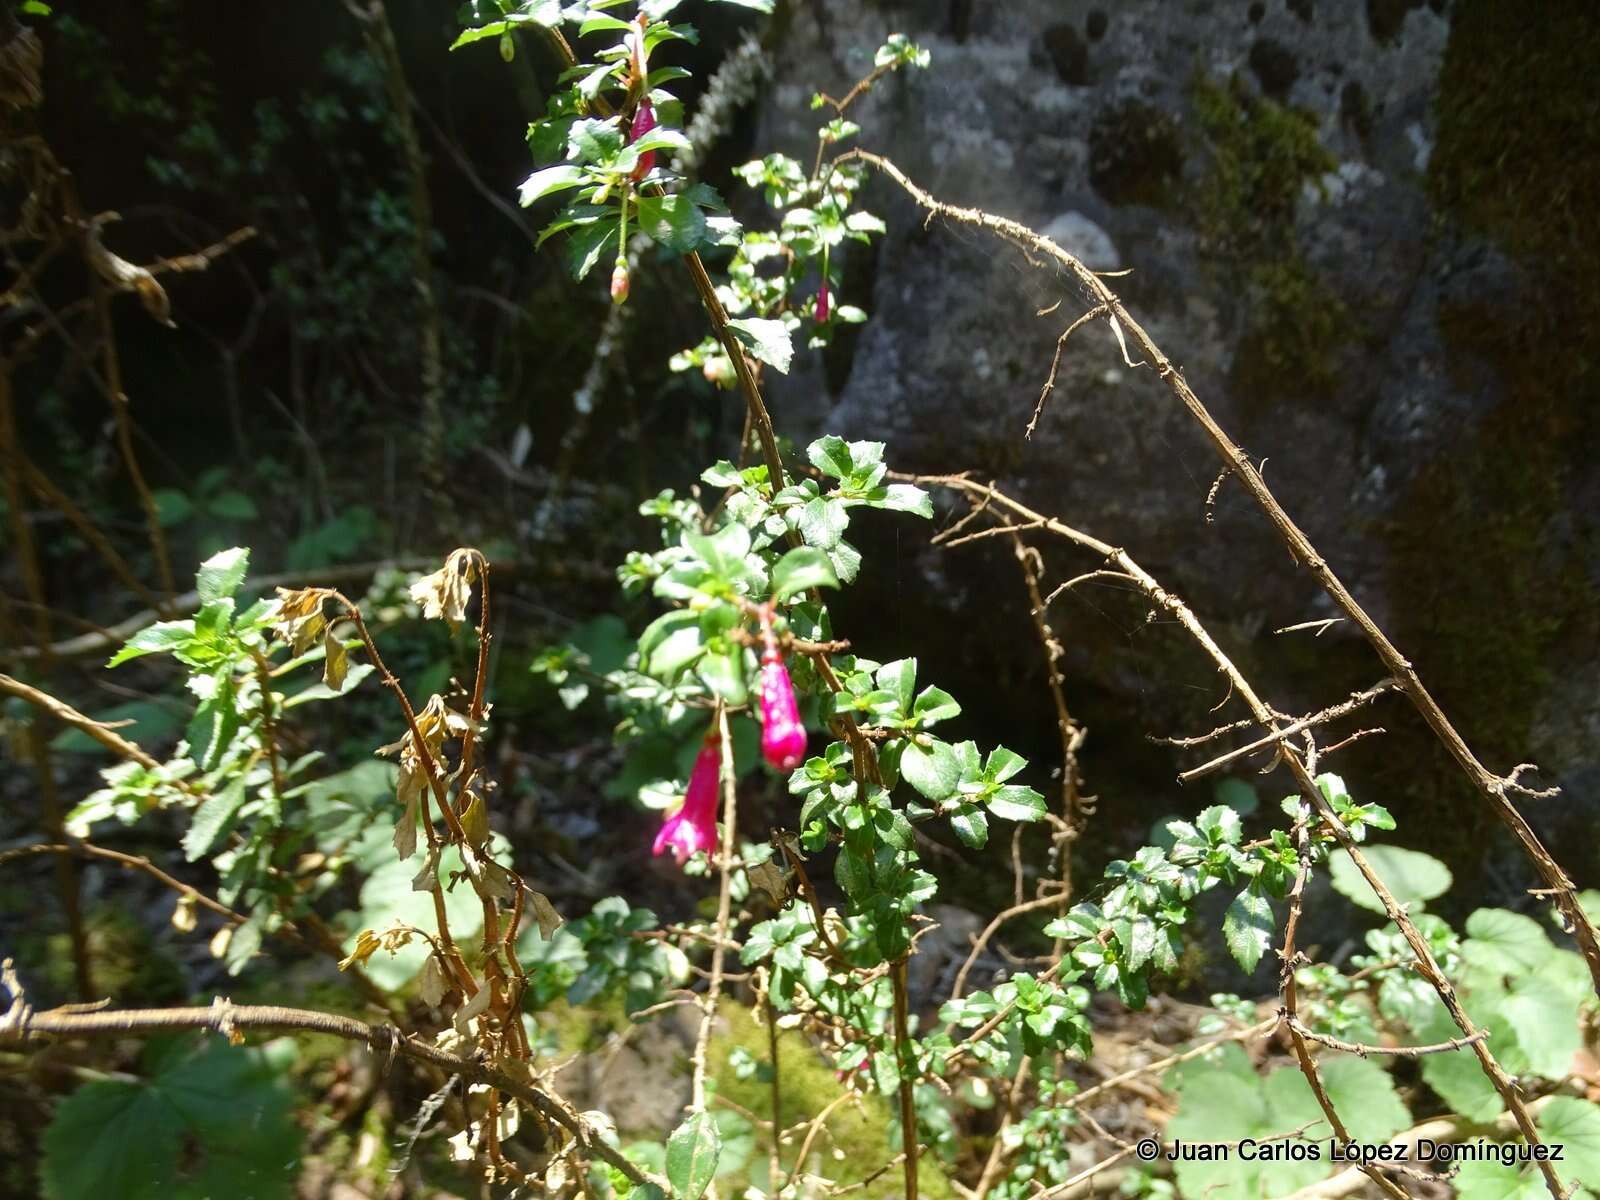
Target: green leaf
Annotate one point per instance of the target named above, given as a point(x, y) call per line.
point(1247, 928)
point(1546, 1022)
point(831, 456)
point(1016, 803)
point(677, 223)
point(934, 770)
point(594, 140)
point(217, 1123)
point(162, 637)
point(692, 1153)
point(212, 819)
point(552, 179)
point(231, 506)
point(670, 643)
point(1575, 1124)
point(901, 497)
point(972, 828)
point(724, 673)
point(1505, 943)
point(586, 245)
point(1411, 877)
point(800, 570)
point(221, 574)
point(172, 507)
point(767, 340)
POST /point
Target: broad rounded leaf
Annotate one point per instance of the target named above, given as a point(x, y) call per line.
point(1410, 876)
point(933, 770)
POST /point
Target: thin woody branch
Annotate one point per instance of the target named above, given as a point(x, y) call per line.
point(1493, 788)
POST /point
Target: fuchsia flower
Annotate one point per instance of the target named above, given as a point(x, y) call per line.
point(644, 120)
point(694, 826)
point(619, 281)
point(783, 737)
point(822, 301)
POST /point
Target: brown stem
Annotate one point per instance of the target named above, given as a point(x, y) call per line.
point(909, 1136)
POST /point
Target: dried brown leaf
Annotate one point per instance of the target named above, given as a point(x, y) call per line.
point(336, 661)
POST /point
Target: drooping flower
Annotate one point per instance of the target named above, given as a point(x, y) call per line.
point(644, 120)
point(783, 737)
point(694, 826)
point(822, 300)
point(619, 281)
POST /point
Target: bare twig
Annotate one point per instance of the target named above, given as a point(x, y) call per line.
point(1492, 787)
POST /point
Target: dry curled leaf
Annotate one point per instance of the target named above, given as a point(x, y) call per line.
point(444, 594)
point(545, 914)
point(765, 877)
point(426, 879)
point(472, 1008)
point(367, 944)
point(433, 982)
point(335, 662)
point(475, 821)
point(298, 619)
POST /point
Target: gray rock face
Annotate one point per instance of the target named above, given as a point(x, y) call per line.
point(1090, 121)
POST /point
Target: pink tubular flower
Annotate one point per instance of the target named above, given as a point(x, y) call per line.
point(619, 281)
point(783, 737)
point(644, 120)
point(694, 826)
point(822, 301)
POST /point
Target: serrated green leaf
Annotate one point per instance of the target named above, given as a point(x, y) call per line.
point(1247, 928)
point(216, 1123)
point(163, 636)
point(676, 223)
point(766, 339)
point(1411, 877)
point(212, 819)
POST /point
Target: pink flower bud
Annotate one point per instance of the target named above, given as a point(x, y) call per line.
point(644, 120)
point(694, 826)
point(783, 737)
point(619, 282)
point(822, 301)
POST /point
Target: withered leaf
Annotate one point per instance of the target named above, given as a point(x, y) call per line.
point(545, 913)
point(444, 594)
point(766, 877)
point(367, 944)
point(336, 662)
point(433, 983)
point(475, 821)
point(405, 829)
point(299, 618)
point(427, 879)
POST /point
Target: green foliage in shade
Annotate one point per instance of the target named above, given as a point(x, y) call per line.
point(202, 1125)
point(1222, 1099)
point(1566, 1121)
point(1411, 877)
